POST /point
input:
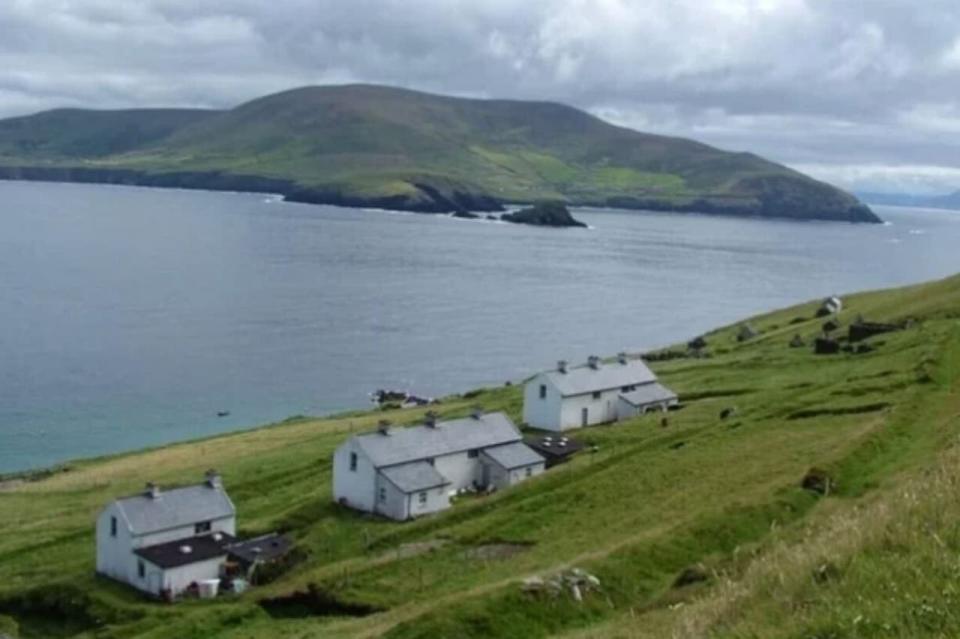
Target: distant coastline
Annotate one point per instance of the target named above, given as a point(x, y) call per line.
point(218, 181)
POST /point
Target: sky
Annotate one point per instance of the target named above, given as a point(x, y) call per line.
point(861, 93)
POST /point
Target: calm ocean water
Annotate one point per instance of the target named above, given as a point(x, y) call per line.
point(130, 317)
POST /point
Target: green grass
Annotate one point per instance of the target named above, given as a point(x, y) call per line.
point(650, 502)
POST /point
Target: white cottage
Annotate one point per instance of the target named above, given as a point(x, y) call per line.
point(403, 473)
point(597, 393)
point(162, 541)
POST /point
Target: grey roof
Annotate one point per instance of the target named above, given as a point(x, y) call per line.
point(418, 475)
point(182, 552)
point(175, 507)
point(515, 455)
point(583, 379)
point(263, 548)
point(404, 445)
point(649, 394)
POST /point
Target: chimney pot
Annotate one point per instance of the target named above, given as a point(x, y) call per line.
point(383, 427)
point(430, 419)
point(593, 362)
point(477, 412)
point(152, 491)
point(213, 479)
point(622, 357)
point(562, 366)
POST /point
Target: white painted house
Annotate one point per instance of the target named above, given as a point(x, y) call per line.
point(403, 473)
point(596, 393)
point(161, 541)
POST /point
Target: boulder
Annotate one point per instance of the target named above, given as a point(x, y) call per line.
point(818, 481)
point(746, 333)
point(826, 346)
point(797, 342)
point(691, 575)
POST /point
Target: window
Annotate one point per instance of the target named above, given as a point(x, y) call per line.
point(543, 391)
point(202, 527)
point(141, 569)
point(113, 526)
point(473, 452)
point(596, 394)
point(353, 462)
point(383, 494)
point(528, 471)
point(422, 498)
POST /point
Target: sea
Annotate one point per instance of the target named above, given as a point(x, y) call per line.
point(134, 317)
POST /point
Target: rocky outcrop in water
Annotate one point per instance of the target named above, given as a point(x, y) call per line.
point(544, 214)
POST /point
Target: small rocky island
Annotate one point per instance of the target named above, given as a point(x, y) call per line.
point(544, 214)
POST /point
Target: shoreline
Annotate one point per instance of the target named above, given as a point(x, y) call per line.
point(721, 205)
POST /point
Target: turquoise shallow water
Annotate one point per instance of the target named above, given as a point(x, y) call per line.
point(130, 317)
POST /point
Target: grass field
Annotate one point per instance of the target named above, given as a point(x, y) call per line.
point(876, 557)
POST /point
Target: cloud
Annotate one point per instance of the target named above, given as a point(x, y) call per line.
point(814, 83)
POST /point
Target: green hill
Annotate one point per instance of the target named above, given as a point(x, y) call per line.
point(363, 145)
point(716, 500)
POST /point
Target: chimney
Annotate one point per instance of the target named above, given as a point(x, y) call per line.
point(562, 366)
point(622, 358)
point(213, 480)
point(152, 491)
point(477, 412)
point(593, 362)
point(430, 419)
point(383, 427)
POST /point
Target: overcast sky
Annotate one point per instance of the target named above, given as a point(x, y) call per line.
point(862, 93)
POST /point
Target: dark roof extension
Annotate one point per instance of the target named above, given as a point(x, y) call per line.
point(183, 552)
point(263, 548)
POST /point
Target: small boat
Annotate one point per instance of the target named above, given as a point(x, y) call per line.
point(223, 413)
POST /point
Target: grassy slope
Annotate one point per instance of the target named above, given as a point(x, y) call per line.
point(635, 513)
point(370, 141)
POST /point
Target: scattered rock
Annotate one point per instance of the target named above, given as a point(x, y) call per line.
point(727, 413)
point(691, 575)
point(797, 342)
point(493, 218)
point(553, 214)
point(575, 582)
point(830, 326)
point(826, 346)
point(862, 330)
point(677, 445)
point(746, 333)
point(697, 344)
point(818, 481)
point(825, 572)
point(467, 215)
point(865, 348)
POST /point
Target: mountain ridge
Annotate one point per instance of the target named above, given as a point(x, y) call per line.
point(376, 146)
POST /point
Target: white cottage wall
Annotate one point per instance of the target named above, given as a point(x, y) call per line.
point(460, 469)
point(600, 410)
point(114, 556)
point(178, 579)
point(391, 501)
point(357, 487)
point(542, 413)
point(435, 499)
